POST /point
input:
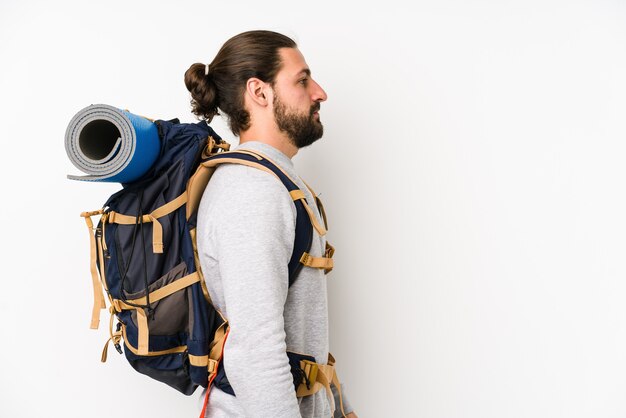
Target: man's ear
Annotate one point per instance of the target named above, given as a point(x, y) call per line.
point(256, 90)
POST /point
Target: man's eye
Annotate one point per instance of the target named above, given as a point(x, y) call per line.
point(304, 81)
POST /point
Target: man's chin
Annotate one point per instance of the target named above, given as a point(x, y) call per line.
point(304, 144)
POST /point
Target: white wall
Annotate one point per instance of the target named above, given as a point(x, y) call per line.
point(472, 170)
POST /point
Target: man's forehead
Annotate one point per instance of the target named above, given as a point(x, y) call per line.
point(293, 63)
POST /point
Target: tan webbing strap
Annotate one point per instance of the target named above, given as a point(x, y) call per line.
point(260, 155)
point(142, 332)
point(217, 348)
point(156, 295)
point(252, 153)
point(204, 361)
point(170, 206)
point(311, 370)
point(324, 376)
point(212, 359)
point(101, 249)
point(325, 262)
point(216, 162)
point(299, 195)
point(157, 229)
point(198, 361)
point(105, 351)
point(196, 258)
point(198, 181)
point(335, 382)
point(307, 259)
point(98, 295)
point(309, 187)
point(167, 290)
point(319, 204)
point(179, 349)
point(319, 228)
point(115, 336)
point(320, 376)
point(103, 242)
point(330, 251)
point(195, 188)
point(213, 148)
point(219, 339)
point(316, 262)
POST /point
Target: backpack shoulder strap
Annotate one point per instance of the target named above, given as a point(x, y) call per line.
point(306, 220)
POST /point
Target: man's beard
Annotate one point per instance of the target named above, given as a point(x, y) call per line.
point(302, 129)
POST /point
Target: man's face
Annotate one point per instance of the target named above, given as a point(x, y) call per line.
point(297, 99)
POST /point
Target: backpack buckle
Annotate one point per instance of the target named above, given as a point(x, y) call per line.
point(212, 366)
point(116, 306)
point(213, 147)
point(310, 371)
point(116, 337)
point(305, 258)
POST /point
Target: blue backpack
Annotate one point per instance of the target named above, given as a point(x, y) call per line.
point(144, 256)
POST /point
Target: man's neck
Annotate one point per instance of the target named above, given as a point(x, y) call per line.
point(277, 140)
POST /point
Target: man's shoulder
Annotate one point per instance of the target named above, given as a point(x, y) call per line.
point(231, 174)
point(255, 198)
point(238, 184)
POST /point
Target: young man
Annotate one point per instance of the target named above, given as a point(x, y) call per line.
point(246, 227)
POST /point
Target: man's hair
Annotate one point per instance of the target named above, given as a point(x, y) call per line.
point(221, 85)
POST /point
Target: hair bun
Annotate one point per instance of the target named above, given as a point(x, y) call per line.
point(203, 91)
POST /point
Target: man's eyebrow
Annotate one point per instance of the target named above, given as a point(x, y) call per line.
point(305, 71)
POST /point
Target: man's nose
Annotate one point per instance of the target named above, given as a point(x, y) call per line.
point(319, 95)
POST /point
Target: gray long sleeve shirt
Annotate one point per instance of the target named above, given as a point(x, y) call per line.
point(246, 229)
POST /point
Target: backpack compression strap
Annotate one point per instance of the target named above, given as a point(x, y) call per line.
point(98, 295)
point(117, 305)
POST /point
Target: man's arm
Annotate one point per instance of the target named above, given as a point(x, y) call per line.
point(254, 241)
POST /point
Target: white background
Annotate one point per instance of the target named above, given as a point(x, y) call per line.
point(472, 169)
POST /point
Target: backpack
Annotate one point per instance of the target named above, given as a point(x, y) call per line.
point(144, 256)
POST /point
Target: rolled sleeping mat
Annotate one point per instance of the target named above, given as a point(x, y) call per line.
point(110, 144)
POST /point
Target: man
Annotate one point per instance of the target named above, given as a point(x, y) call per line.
point(246, 227)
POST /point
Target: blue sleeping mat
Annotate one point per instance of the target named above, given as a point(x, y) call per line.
point(110, 144)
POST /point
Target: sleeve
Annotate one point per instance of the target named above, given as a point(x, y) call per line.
point(254, 242)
